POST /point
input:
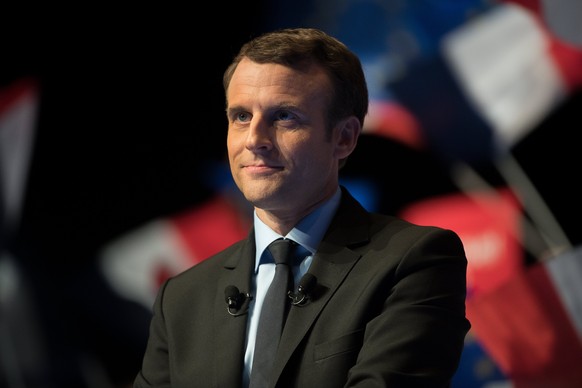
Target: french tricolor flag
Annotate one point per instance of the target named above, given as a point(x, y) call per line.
point(136, 263)
point(493, 79)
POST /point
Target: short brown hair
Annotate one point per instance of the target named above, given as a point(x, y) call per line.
point(295, 47)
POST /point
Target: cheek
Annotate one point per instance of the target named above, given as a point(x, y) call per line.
point(297, 147)
point(308, 153)
point(233, 144)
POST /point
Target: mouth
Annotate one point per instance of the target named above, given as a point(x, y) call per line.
point(262, 169)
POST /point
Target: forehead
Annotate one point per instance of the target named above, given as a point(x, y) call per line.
point(258, 80)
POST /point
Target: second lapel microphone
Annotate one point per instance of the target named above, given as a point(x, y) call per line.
point(304, 290)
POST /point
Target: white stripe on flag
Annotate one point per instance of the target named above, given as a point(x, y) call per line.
point(502, 61)
point(135, 263)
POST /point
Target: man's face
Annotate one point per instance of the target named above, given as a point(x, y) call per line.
point(280, 154)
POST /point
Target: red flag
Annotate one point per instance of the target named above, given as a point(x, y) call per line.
point(532, 325)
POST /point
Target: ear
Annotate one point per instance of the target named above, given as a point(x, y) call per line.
point(346, 136)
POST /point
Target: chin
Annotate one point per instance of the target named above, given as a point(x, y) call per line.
point(263, 197)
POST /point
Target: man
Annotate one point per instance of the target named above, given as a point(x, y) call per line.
point(385, 305)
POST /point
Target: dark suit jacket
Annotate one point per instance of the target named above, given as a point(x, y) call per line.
point(388, 311)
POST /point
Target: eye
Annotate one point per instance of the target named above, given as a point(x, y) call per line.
point(243, 117)
point(285, 115)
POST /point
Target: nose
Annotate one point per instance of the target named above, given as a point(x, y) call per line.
point(259, 135)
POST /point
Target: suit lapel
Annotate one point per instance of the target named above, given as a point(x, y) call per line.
point(329, 275)
point(231, 330)
point(331, 264)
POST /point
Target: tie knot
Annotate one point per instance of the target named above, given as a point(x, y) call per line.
point(281, 250)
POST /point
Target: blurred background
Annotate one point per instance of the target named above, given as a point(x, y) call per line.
point(113, 172)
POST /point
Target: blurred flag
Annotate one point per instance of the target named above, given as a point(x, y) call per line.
point(503, 62)
point(532, 324)
point(137, 263)
point(493, 79)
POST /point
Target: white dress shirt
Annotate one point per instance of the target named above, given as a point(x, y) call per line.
point(308, 234)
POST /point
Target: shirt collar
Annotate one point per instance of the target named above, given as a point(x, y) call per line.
point(308, 232)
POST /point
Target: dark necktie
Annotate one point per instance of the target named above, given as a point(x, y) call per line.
point(273, 313)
